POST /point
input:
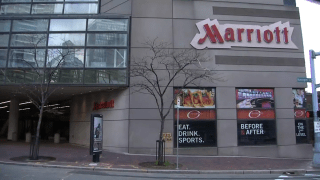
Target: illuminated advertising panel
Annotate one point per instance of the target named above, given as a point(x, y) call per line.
point(96, 133)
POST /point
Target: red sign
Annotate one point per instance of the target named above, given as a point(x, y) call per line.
point(103, 105)
point(256, 114)
point(212, 34)
point(185, 114)
point(299, 113)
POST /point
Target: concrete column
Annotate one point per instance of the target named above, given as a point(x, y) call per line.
point(13, 120)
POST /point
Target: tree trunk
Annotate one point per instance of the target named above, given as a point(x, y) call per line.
point(35, 154)
point(160, 147)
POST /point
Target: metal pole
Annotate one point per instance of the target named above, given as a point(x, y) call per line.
point(178, 136)
point(316, 151)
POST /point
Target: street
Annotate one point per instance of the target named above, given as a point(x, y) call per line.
point(17, 172)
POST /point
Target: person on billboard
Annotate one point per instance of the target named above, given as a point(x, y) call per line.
point(97, 131)
point(298, 98)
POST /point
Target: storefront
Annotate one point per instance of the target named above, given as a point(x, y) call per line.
point(256, 47)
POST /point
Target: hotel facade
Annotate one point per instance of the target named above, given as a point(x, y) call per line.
point(255, 46)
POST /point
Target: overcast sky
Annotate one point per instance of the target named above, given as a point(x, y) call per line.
point(310, 21)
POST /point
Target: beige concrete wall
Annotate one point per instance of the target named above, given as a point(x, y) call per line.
point(115, 120)
point(173, 21)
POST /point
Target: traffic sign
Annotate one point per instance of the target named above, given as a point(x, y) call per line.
point(317, 85)
point(302, 79)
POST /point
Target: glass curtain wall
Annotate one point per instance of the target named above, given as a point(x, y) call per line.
point(48, 7)
point(89, 51)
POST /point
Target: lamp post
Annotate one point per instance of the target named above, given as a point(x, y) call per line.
point(316, 152)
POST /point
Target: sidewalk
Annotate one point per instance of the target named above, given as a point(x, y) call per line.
point(72, 156)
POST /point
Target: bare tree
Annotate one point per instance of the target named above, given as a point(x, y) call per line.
point(39, 74)
point(184, 65)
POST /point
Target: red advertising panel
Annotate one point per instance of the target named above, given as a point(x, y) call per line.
point(255, 98)
point(300, 113)
point(185, 114)
point(255, 114)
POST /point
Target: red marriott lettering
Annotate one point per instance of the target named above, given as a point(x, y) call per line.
point(214, 35)
point(103, 105)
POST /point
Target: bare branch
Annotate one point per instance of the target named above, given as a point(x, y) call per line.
point(184, 66)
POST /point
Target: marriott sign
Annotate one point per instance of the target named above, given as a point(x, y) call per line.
point(215, 35)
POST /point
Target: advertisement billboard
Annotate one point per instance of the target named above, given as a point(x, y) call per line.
point(298, 96)
point(196, 134)
point(255, 98)
point(195, 98)
point(197, 115)
point(257, 132)
point(301, 131)
point(96, 133)
point(256, 114)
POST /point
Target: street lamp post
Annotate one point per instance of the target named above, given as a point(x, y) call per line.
point(316, 152)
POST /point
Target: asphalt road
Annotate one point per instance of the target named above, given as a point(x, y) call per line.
point(16, 172)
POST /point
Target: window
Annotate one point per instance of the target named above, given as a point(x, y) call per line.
point(256, 117)
point(88, 57)
point(67, 25)
point(197, 117)
point(49, 7)
point(30, 25)
point(103, 58)
point(303, 125)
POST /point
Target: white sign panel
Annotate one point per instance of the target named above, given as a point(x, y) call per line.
point(317, 127)
point(215, 35)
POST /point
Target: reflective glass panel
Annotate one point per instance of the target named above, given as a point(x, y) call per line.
point(5, 25)
point(34, 76)
point(15, 9)
point(66, 39)
point(105, 77)
point(66, 76)
point(47, 0)
point(28, 58)
point(81, 8)
point(2, 76)
point(81, 0)
point(14, 76)
point(109, 39)
point(107, 25)
point(118, 76)
point(4, 39)
point(47, 8)
point(3, 57)
point(11, 1)
point(29, 40)
point(106, 58)
point(30, 25)
point(67, 25)
point(69, 58)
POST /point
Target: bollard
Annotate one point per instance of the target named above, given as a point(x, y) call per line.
point(28, 137)
point(56, 138)
point(14, 136)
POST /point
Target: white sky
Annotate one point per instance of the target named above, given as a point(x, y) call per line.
point(310, 22)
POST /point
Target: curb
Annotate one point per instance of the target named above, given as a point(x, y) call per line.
point(278, 171)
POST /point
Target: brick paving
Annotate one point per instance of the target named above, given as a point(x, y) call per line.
point(72, 155)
